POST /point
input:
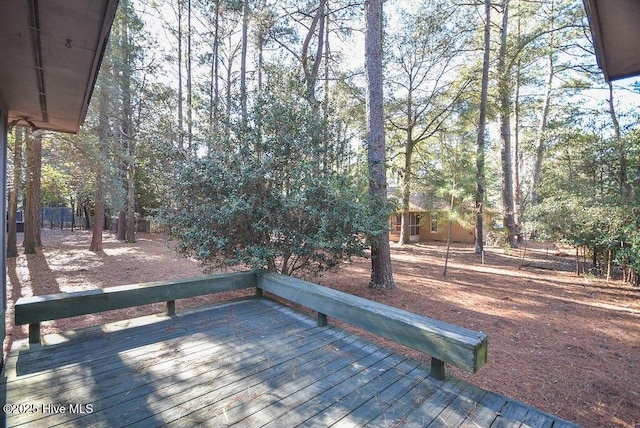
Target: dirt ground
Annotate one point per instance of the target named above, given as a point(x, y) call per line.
point(567, 344)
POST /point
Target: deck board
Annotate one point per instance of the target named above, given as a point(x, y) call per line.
point(486, 412)
point(249, 363)
point(382, 388)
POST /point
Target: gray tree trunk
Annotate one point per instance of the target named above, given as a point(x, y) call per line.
point(260, 47)
point(541, 130)
point(180, 114)
point(128, 138)
point(189, 89)
point(405, 232)
point(311, 70)
point(504, 89)
point(625, 186)
point(131, 203)
point(243, 66)
point(122, 226)
point(540, 143)
point(229, 101)
point(480, 153)
point(98, 209)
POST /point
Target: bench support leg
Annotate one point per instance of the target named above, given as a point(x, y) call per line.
point(171, 308)
point(34, 333)
point(437, 368)
point(322, 320)
point(259, 292)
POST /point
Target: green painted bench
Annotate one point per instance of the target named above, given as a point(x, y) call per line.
point(444, 342)
point(33, 310)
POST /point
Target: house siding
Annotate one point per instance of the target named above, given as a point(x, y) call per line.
point(458, 233)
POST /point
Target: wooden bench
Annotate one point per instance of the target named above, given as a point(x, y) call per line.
point(444, 342)
point(33, 310)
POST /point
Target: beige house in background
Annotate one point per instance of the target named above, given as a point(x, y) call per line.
point(427, 220)
point(428, 226)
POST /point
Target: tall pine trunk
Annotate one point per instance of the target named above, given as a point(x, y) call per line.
point(102, 132)
point(229, 99)
point(180, 114)
point(625, 186)
point(540, 144)
point(121, 234)
point(127, 128)
point(311, 70)
point(405, 232)
point(517, 195)
point(327, 158)
point(381, 271)
point(546, 103)
point(32, 238)
point(480, 152)
point(131, 202)
point(214, 96)
point(260, 104)
point(243, 66)
point(98, 211)
point(504, 90)
point(189, 88)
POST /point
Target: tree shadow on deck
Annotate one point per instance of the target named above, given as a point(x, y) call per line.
point(119, 368)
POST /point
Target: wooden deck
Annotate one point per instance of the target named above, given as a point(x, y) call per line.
point(248, 363)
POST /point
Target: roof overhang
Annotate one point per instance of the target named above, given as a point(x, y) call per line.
point(50, 53)
point(615, 26)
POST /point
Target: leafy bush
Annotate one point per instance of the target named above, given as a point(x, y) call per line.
point(256, 218)
point(268, 197)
